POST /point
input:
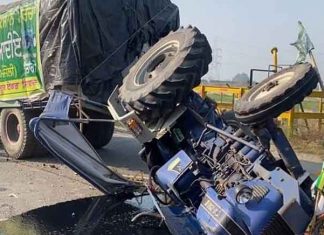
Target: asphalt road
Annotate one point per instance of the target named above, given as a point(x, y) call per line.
point(38, 182)
point(26, 185)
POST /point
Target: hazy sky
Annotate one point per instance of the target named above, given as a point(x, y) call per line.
point(246, 30)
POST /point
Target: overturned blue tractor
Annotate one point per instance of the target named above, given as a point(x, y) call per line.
point(205, 177)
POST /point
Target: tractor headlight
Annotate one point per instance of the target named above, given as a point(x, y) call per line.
point(243, 194)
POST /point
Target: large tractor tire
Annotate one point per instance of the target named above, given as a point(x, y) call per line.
point(276, 94)
point(166, 73)
point(17, 140)
point(98, 134)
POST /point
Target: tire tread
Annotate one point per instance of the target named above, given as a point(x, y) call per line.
point(173, 90)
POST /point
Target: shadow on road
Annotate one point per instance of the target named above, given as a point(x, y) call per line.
point(97, 215)
point(122, 152)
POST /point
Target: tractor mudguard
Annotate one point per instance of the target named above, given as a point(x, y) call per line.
point(57, 133)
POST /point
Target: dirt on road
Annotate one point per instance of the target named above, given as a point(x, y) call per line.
point(34, 183)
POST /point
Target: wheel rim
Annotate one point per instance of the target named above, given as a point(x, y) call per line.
point(156, 63)
point(12, 128)
point(272, 86)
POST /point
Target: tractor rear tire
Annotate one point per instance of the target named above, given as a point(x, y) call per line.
point(276, 94)
point(165, 75)
point(17, 140)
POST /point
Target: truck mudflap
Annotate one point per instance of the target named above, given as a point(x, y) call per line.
point(58, 134)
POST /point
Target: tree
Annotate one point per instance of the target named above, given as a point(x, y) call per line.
point(241, 79)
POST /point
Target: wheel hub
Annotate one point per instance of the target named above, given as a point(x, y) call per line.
point(272, 86)
point(156, 63)
point(13, 128)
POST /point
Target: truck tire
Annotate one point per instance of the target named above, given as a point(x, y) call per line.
point(98, 134)
point(18, 141)
point(165, 75)
point(276, 94)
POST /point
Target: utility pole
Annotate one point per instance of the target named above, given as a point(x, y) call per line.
point(218, 58)
point(216, 65)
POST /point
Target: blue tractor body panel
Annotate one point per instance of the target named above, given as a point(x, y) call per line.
point(177, 175)
point(220, 215)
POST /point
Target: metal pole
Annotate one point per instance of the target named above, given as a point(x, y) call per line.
point(303, 111)
point(285, 150)
point(233, 137)
point(203, 91)
point(274, 52)
point(321, 111)
point(291, 119)
point(313, 62)
point(251, 79)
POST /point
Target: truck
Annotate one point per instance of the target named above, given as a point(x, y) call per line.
point(80, 46)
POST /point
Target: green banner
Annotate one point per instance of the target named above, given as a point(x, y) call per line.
point(20, 67)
